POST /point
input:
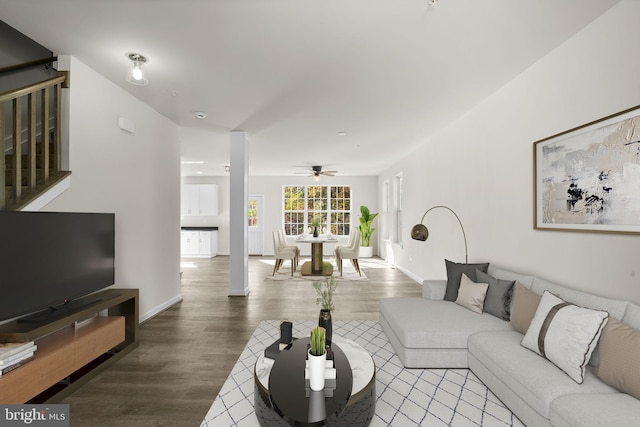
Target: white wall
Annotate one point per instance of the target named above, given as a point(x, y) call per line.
point(363, 192)
point(481, 166)
point(136, 176)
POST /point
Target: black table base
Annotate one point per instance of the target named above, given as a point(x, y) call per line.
point(357, 413)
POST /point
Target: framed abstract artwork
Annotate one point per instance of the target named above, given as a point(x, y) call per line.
point(588, 178)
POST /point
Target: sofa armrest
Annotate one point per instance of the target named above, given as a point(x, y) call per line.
point(434, 289)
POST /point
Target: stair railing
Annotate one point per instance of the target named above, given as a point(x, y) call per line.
point(50, 160)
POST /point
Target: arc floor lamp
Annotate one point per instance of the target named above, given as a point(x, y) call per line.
point(421, 232)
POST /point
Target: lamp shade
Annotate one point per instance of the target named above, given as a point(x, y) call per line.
point(420, 232)
point(135, 75)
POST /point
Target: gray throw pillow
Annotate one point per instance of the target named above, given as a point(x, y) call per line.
point(498, 299)
point(454, 274)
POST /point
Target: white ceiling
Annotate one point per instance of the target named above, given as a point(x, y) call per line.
point(294, 73)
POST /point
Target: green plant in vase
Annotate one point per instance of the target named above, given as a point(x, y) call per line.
point(325, 291)
point(315, 223)
point(318, 336)
point(366, 230)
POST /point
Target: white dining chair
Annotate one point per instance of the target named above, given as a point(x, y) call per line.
point(283, 243)
point(349, 252)
point(349, 243)
point(281, 254)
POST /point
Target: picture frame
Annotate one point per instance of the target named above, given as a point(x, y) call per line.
point(588, 178)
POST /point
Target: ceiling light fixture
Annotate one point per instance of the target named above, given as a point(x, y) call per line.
point(432, 3)
point(200, 115)
point(135, 75)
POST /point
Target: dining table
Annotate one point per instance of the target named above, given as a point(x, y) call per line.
point(317, 266)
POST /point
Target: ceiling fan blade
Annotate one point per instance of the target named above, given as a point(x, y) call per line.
point(328, 172)
point(303, 173)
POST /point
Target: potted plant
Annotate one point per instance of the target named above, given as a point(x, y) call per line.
point(315, 225)
point(366, 230)
point(325, 299)
point(317, 358)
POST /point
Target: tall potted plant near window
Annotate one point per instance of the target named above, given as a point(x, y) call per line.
point(366, 230)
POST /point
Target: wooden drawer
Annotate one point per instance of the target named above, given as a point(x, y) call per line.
point(59, 355)
point(97, 337)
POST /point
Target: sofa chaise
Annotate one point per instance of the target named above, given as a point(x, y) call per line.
point(431, 332)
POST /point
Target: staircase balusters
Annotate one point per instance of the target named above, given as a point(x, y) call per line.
point(41, 169)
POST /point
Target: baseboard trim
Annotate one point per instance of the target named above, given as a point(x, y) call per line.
point(418, 279)
point(159, 309)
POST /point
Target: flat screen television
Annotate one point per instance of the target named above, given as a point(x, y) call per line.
point(49, 259)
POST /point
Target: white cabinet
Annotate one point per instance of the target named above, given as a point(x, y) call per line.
point(199, 200)
point(199, 243)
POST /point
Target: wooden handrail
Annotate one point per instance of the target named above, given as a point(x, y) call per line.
point(50, 163)
point(26, 90)
point(16, 67)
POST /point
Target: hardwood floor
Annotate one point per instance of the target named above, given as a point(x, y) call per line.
point(188, 350)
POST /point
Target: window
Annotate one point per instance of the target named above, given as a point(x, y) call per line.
point(397, 187)
point(331, 203)
point(253, 213)
point(386, 210)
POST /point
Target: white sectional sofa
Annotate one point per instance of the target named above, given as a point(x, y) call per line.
point(429, 332)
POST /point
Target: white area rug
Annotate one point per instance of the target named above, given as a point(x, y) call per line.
point(349, 273)
point(405, 397)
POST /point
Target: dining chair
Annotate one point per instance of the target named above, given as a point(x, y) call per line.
point(350, 252)
point(349, 242)
point(281, 254)
point(283, 243)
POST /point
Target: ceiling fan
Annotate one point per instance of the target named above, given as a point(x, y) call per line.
point(316, 171)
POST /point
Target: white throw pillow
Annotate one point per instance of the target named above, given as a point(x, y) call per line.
point(471, 295)
point(565, 334)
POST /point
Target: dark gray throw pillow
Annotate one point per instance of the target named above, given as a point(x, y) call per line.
point(498, 299)
point(454, 274)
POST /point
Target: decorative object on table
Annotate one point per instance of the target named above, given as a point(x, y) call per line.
point(366, 230)
point(317, 358)
point(286, 332)
point(421, 232)
point(325, 291)
point(315, 224)
point(587, 179)
point(283, 343)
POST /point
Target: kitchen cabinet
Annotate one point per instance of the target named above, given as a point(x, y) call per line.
point(199, 200)
point(199, 242)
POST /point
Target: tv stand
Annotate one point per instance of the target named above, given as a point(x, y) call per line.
point(52, 313)
point(73, 347)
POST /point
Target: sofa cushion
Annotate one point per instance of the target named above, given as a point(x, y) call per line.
point(424, 323)
point(615, 308)
point(620, 357)
point(471, 295)
point(498, 299)
point(631, 316)
point(532, 378)
point(565, 334)
point(524, 306)
point(595, 410)
point(454, 274)
point(499, 273)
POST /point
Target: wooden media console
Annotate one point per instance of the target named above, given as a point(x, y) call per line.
point(72, 348)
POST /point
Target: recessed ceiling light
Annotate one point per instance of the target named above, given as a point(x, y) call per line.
point(200, 115)
point(342, 133)
point(199, 172)
point(192, 162)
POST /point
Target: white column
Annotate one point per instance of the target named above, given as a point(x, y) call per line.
point(238, 229)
